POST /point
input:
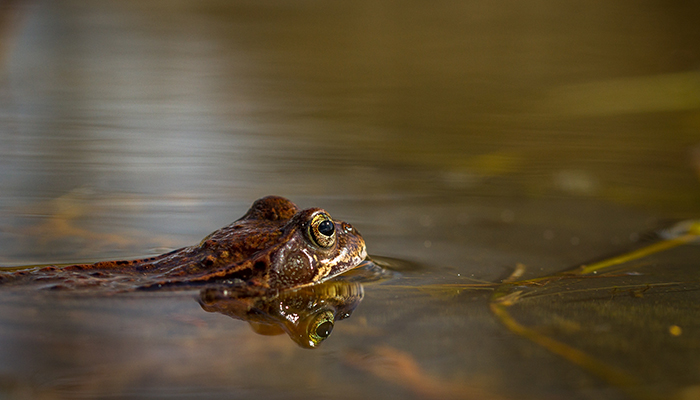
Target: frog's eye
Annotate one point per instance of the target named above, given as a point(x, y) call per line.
point(322, 230)
point(321, 327)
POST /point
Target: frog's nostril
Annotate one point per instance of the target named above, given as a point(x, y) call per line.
point(347, 228)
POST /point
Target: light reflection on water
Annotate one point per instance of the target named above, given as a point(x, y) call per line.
point(465, 137)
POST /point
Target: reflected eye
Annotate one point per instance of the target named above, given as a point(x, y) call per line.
point(321, 328)
point(324, 330)
point(322, 230)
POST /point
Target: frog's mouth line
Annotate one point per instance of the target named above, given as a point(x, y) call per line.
point(363, 255)
point(325, 272)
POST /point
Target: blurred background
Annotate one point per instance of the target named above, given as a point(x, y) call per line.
point(462, 136)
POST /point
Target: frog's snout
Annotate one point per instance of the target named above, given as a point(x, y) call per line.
point(348, 229)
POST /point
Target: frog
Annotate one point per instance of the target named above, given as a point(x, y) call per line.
point(274, 246)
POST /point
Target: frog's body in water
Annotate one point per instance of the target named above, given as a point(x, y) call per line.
point(273, 246)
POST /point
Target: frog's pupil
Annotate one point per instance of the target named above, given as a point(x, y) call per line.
point(325, 329)
point(326, 228)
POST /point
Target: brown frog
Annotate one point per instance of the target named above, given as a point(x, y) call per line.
point(273, 246)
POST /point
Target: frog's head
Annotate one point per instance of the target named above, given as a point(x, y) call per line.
point(315, 248)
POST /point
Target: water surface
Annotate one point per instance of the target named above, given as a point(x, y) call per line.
point(461, 139)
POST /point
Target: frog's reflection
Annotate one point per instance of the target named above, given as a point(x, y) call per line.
point(307, 314)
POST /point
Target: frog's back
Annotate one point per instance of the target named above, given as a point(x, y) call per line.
point(240, 253)
point(232, 247)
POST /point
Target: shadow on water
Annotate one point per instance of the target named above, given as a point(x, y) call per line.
point(615, 316)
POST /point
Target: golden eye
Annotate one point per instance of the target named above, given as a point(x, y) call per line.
point(322, 230)
point(321, 327)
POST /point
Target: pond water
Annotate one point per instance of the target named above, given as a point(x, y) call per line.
point(462, 139)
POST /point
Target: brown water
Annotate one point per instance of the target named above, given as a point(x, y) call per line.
point(461, 138)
